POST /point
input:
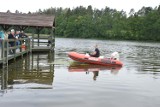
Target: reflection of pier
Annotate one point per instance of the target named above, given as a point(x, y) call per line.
point(3, 82)
point(34, 69)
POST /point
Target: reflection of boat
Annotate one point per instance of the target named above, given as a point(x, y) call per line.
point(92, 60)
point(74, 67)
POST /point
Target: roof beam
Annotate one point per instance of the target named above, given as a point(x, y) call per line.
point(5, 27)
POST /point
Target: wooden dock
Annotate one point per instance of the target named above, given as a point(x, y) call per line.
point(25, 48)
point(8, 53)
point(20, 22)
point(10, 57)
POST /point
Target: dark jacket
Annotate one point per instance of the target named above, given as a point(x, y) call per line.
point(10, 36)
point(97, 53)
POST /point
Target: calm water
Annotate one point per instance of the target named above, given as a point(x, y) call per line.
point(37, 81)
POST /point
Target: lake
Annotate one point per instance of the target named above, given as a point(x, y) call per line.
point(37, 81)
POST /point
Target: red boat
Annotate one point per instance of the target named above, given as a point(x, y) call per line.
point(93, 60)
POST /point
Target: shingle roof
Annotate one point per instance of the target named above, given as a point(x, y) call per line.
point(31, 20)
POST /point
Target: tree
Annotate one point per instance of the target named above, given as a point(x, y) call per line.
point(17, 11)
point(8, 11)
point(106, 23)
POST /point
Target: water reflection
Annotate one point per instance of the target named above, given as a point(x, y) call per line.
point(95, 69)
point(34, 71)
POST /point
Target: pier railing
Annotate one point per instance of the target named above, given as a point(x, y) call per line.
point(21, 46)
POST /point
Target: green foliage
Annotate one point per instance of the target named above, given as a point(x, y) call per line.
point(107, 23)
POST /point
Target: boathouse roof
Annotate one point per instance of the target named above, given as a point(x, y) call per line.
point(26, 20)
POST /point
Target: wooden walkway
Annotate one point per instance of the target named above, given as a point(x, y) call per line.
point(41, 49)
point(20, 50)
point(12, 56)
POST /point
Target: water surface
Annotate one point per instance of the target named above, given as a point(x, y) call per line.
point(37, 81)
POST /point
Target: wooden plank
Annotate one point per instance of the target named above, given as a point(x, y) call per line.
point(10, 57)
point(41, 49)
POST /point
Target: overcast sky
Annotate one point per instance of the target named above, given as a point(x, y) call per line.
point(33, 5)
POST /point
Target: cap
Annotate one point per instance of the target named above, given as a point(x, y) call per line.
point(12, 30)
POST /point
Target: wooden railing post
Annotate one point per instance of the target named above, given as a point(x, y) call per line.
point(6, 51)
point(2, 53)
point(20, 44)
point(26, 43)
point(29, 44)
point(14, 47)
point(32, 41)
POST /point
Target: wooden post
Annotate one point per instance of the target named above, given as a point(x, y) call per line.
point(26, 44)
point(14, 49)
point(2, 81)
point(52, 37)
point(38, 31)
point(32, 62)
point(50, 56)
point(4, 54)
point(38, 63)
point(30, 49)
point(52, 42)
point(32, 39)
point(2, 51)
point(20, 45)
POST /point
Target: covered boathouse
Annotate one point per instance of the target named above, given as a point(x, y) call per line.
point(22, 22)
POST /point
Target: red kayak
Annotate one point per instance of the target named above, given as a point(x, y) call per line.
point(93, 60)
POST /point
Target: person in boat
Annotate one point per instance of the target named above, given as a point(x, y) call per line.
point(96, 53)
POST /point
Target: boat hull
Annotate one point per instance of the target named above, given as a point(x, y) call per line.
point(93, 60)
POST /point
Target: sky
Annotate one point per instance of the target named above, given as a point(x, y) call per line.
point(33, 5)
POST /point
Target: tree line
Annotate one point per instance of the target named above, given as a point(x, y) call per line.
point(106, 23)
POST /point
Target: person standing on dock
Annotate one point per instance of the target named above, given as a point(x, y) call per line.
point(11, 36)
point(1, 37)
point(23, 35)
point(17, 36)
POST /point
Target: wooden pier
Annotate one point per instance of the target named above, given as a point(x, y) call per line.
point(25, 47)
point(36, 22)
point(8, 53)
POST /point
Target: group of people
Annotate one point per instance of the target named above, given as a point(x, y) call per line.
point(14, 35)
